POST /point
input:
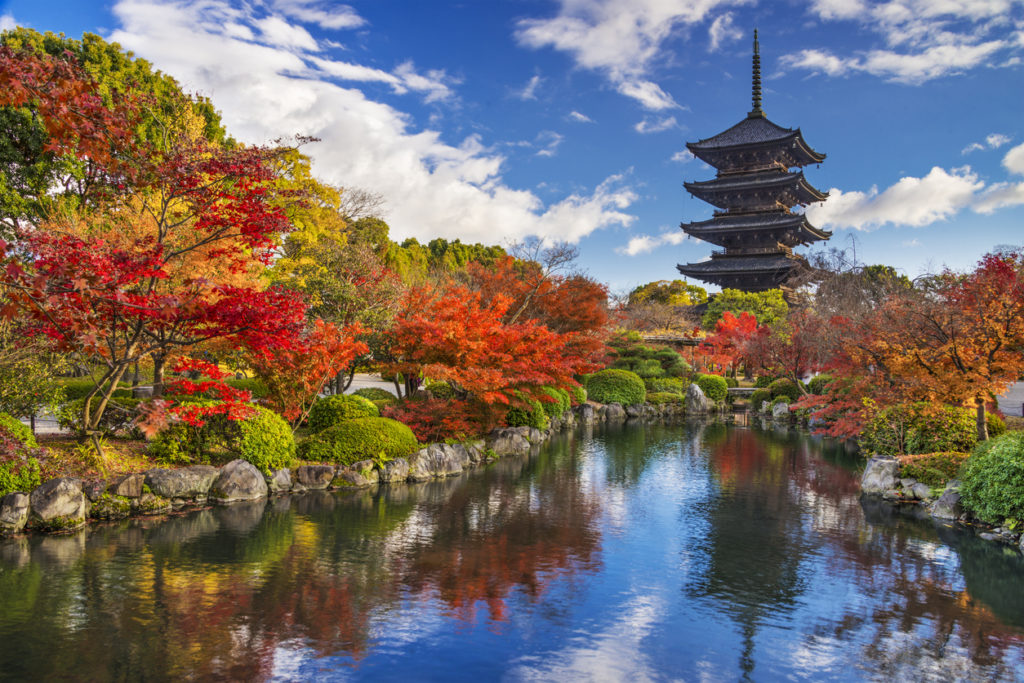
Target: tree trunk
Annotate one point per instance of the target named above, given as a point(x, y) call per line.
point(982, 424)
point(159, 363)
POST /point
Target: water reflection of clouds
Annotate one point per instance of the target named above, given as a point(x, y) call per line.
point(613, 654)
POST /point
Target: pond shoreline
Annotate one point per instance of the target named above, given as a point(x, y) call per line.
point(67, 504)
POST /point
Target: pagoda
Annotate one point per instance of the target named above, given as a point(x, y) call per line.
point(754, 191)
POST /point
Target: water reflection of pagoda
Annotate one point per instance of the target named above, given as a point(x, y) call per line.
point(755, 190)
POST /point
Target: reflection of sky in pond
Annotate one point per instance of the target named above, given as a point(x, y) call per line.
point(633, 553)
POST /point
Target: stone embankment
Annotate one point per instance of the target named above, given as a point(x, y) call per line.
point(66, 504)
point(882, 478)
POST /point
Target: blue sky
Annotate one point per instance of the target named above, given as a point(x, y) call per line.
point(493, 120)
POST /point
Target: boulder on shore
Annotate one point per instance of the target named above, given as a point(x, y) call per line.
point(880, 475)
point(59, 505)
point(696, 401)
point(13, 512)
point(187, 482)
point(238, 480)
point(948, 505)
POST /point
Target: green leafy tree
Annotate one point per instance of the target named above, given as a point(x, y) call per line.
point(768, 307)
point(672, 293)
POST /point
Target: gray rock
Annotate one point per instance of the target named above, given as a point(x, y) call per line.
point(587, 414)
point(920, 491)
point(907, 482)
point(94, 489)
point(613, 412)
point(636, 410)
point(891, 494)
point(766, 407)
point(436, 460)
point(508, 441)
point(315, 477)
point(187, 482)
point(395, 471)
point(696, 401)
point(238, 480)
point(357, 475)
point(948, 505)
point(110, 507)
point(988, 536)
point(880, 475)
point(151, 504)
point(780, 411)
point(280, 481)
point(127, 486)
point(475, 451)
point(58, 505)
point(13, 512)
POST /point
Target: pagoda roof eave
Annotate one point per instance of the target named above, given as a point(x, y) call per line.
point(803, 154)
point(755, 223)
point(707, 189)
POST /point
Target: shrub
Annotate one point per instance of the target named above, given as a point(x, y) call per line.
point(996, 425)
point(992, 479)
point(616, 386)
point(384, 403)
point(818, 384)
point(265, 440)
point(16, 429)
point(78, 388)
point(435, 419)
point(119, 415)
point(934, 469)
point(672, 385)
point(578, 395)
point(731, 382)
point(713, 386)
point(784, 387)
point(530, 415)
point(888, 432)
point(376, 438)
point(440, 390)
point(661, 397)
point(560, 404)
point(329, 411)
point(19, 457)
point(758, 397)
point(649, 368)
point(254, 386)
point(764, 381)
point(375, 394)
point(950, 428)
point(780, 399)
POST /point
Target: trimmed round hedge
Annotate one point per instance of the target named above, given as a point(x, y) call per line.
point(533, 416)
point(660, 397)
point(374, 394)
point(560, 404)
point(784, 387)
point(364, 438)
point(18, 430)
point(616, 386)
point(758, 397)
point(578, 395)
point(992, 479)
point(329, 411)
point(713, 386)
point(671, 385)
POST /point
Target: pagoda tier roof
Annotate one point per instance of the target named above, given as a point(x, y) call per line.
point(756, 131)
point(752, 272)
point(753, 190)
point(774, 225)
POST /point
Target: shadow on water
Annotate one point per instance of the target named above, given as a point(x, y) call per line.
point(528, 561)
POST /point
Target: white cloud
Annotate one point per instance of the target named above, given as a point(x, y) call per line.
point(549, 141)
point(656, 125)
point(723, 31)
point(619, 40)
point(433, 83)
point(1014, 160)
point(404, 78)
point(973, 147)
point(925, 39)
point(579, 118)
point(7, 22)
point(434, 188)
point(326, 15)
point(641, 244)
point(529, 91)
point(911, 243)
point(997, 140)
point(915, 202)
point(683, 156)
point(277, 31)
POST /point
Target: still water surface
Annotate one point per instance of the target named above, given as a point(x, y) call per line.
point(688, 552)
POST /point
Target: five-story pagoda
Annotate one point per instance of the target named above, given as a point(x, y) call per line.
point(755, 191)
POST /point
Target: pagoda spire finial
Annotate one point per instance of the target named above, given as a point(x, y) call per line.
point(756, 111)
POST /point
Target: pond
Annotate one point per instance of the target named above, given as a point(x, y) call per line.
point(651, 552)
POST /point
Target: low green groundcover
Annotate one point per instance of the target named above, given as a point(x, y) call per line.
point(19, 468)
point(934, 469)
point(364, 438)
